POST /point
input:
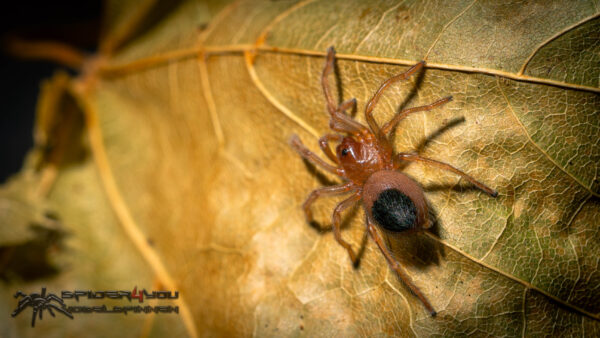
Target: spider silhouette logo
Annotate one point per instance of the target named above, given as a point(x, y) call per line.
point(40, 302)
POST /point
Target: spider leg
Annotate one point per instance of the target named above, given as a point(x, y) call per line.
point(325, 82)
point(387, 128)
point(396, 267)
point(20, 293)
point(446, 166)
point(336, 225)
point(324, 144)
point(33, 317)
point(19, 309)
point(349, 104)
point(312, 157)
point(322, 192)
point(63, 311)
point(54, 297)
point(371, 104)
point(341, 122)
point(24, 300)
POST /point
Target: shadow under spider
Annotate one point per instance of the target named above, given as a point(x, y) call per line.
point(459, 188)
point(438, 132)
point(416, 249)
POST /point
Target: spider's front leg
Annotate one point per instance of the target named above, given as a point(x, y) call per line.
point(312, 157)
point(373, 101)
point(324, 79)
point(324, 144)
point(350, 104)
point(345, 204)
point(340, 122)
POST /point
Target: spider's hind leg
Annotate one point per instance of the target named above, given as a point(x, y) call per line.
point(396, 267)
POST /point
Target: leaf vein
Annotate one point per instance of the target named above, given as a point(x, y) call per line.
point(554, 37)
point(376, 26)
point(210, 102)
point(128, 223)
point(126, 28)
point(156, 60)
point(263, 35)
point(516, 279)
point(287, 112)
point(510, 108)
point(446, 27)
point(499, 235)
point(203, 35)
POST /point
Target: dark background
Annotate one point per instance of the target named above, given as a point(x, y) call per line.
point(76, 23)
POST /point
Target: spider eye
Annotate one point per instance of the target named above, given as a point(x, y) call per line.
point(344, 151)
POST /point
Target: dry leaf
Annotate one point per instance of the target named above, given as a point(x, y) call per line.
point(188, 181)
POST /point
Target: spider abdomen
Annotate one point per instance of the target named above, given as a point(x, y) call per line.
point(394, 201)
point(394, 211)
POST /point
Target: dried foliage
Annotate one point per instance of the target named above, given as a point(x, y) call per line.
point(170, 168)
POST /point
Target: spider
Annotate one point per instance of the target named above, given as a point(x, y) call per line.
point(39, 303)
point(365, 160)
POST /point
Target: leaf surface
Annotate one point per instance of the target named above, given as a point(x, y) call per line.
point(191, 117)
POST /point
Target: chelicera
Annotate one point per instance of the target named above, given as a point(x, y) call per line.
point(365, 160)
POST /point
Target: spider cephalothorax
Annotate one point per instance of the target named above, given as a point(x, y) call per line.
point(364, 158)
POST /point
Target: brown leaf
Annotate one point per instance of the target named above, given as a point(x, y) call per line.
point(188, 127)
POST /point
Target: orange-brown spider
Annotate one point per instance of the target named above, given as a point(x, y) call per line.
point(365, 159)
